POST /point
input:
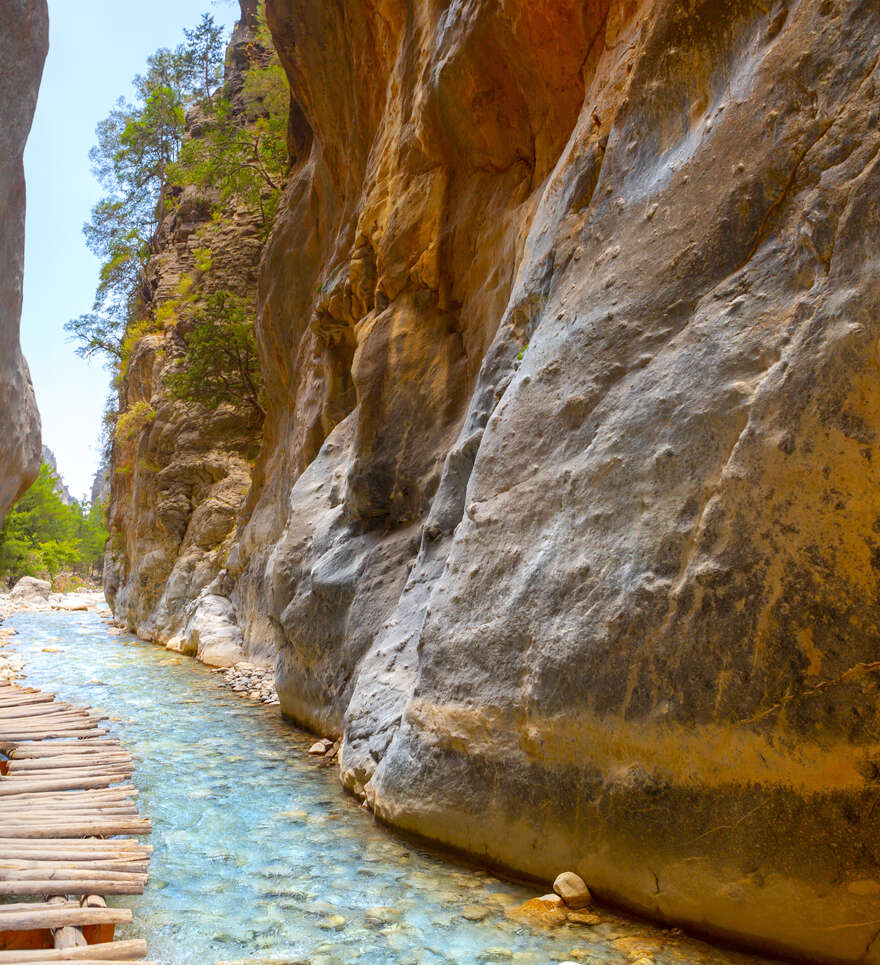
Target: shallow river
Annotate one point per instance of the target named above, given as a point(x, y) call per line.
point(259, 855)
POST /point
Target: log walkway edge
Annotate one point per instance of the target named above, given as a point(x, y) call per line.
point(63, 807)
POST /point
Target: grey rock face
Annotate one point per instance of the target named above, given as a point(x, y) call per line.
point(24, 41)
point(567, 514)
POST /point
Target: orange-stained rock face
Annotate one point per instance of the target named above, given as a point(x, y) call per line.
point(24, 42)
point(566, 516)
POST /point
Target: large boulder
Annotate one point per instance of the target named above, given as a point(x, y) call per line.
point(24, 41)
point(29, 589)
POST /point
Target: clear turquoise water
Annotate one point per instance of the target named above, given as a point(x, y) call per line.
point(260, 856)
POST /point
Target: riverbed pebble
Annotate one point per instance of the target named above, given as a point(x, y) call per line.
point(581, 917)
point(474, 912)
point(573, 890)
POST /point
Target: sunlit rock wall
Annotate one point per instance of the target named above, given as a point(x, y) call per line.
point(568, 511)
point(24, 42)
point(180, 472)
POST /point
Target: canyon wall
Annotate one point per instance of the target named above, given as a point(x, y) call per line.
point(179, 470)
point(24, 42)
point(567, 512)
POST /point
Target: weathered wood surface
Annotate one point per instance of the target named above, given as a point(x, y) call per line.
point(63, 805)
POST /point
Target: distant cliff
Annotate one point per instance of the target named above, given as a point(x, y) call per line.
point(100, 491)
point(49, 458)
point(179, 470)
point(566, 515)
point(24, 41)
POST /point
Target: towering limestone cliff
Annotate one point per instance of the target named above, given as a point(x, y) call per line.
point(567, 511)
point(24, 42)
point(180, 470)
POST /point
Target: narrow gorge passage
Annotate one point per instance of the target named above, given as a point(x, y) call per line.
point(495, 384)
point(259, 857)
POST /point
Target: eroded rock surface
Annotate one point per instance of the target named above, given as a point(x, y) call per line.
point(180, 471)
point(24, 42)
point(567, 516)
point(568, 513)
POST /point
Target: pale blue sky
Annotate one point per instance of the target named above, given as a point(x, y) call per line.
point(96, 47)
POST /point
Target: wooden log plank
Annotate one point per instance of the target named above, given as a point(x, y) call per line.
point(64, 760)
point(77, 814)
point(73, 760)
point(48, 722)
point(58, 747)
point(78, 763)
point(50, 813)
point(68, 936)
point(120, 951)
point(134, 867)
point(23, 917)
point(75, 770)
point(41, 710)
point(85, 961)
point(101, 827)
point(37, 714)
point(13, 739)
point(51, 799)
point(69, 874)
point(84, 770)
point(74, 829)
point(27, 699)
point(65, 887)
point(49, 802)
point(78, 844)
point(22, 786)
point(63, 856)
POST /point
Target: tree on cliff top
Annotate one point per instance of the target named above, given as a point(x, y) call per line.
point(205, 44)
point(239, 154)
point(136, 145)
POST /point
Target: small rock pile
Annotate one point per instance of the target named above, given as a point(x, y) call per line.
point(325, 747)
point(568, 905)
point(249, 680)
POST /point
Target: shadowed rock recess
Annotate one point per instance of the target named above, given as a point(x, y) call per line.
point(24, 42)
point(567, 513)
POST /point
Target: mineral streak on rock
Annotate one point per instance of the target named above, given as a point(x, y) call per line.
point(567, 515)
point(24, 42)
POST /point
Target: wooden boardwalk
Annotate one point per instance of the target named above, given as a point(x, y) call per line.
point(63, 807)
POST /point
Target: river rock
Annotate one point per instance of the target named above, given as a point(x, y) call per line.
point(583, 918)
point(546, 910)
point(24, 42)
point(29, 589)
point(474, 912)
point(573, 890)
point(212, 632)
